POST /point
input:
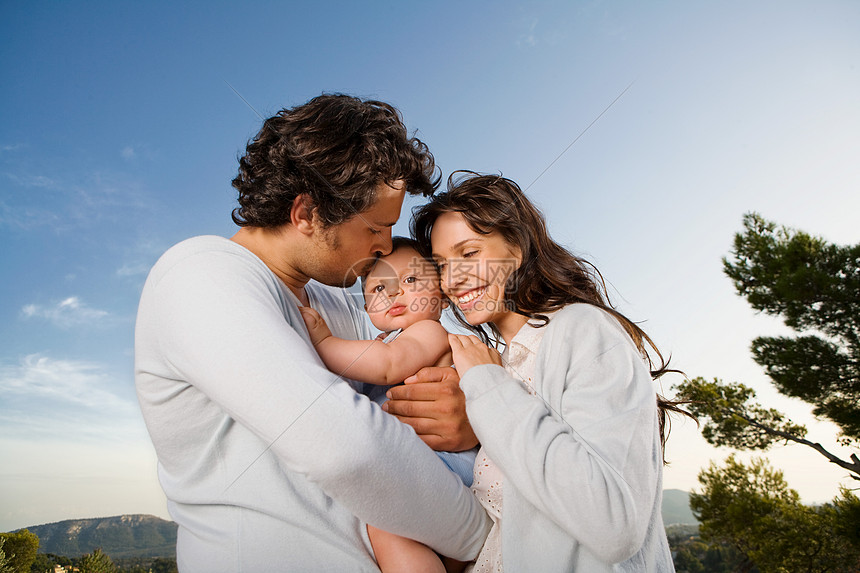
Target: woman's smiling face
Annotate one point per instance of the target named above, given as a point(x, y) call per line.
point(474, 269)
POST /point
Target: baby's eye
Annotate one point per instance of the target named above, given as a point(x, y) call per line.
point(410, 280)
point(378, 288)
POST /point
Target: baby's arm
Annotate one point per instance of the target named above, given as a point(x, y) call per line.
point(372, 361)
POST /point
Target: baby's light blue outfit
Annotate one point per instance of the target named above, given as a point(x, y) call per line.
point(461, 463)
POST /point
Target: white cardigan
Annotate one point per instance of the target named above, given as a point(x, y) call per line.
point(582, 459)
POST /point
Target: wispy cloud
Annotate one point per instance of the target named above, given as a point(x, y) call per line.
point(528, 38)
point(43, 395)
point(140, 257)
point(32, 180)
point(133, 269)
point(68, 312)
point(106, 195)
point(139, 151)
point(79, 201)
point(12, 147)
point(75, 382)
point(26, 217)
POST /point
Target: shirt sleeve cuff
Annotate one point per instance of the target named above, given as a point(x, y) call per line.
point(481, 379)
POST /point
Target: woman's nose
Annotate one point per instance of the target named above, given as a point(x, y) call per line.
point(450, 278)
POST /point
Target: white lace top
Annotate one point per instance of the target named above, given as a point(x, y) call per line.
point(519, 361)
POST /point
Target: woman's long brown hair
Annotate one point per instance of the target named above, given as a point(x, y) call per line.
point(549, 278)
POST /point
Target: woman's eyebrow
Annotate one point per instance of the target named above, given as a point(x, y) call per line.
point(457, 245)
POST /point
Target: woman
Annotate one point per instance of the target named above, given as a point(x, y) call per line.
point(571, 432)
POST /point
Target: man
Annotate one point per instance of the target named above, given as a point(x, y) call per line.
point(269, 461)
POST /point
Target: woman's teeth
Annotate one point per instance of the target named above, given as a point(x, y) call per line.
point(470, 296)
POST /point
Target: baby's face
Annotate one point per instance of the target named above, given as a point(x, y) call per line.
point(402, 289)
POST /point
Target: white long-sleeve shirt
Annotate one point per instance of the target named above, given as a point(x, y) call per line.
point(580, 456)
point(265, 456)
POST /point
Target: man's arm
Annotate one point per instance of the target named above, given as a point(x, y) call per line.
point(373, 361)
point(219, 327)
point(433, 404)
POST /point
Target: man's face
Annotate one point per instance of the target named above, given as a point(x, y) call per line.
point(345, 251)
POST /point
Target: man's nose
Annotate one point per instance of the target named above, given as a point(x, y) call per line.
point(383, 246)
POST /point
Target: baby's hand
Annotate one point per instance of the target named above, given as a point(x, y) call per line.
point(317, 328)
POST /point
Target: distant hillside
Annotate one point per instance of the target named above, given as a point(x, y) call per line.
point(119, 536)
point(676, 508)
point(150, 536)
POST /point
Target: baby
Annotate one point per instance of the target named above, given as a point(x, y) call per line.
point(403, 299)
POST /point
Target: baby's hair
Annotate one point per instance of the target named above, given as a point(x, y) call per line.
point(397, 243)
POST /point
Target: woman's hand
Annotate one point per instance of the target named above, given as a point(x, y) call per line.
point(317, 327)
point(469, 351)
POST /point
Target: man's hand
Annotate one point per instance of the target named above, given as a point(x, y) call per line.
point(317, 327)
point(433, 404)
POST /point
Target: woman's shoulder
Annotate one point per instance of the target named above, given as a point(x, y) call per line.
point(588, 348)
point(583, 317)
point(585, 330)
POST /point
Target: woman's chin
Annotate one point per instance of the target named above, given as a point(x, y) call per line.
point(474, 318)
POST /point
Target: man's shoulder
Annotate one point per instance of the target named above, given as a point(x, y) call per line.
point(193, 258)
point(201, 245)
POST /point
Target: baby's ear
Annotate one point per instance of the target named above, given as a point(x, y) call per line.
point(445, 303)
point(365, 307)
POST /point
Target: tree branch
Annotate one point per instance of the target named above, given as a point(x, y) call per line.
point(853, 466)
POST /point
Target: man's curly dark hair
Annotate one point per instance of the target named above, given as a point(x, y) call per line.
point(335, 148)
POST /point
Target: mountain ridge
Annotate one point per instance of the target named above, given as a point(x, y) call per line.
point(129, 535)
point(141, 535)
point(676, 508)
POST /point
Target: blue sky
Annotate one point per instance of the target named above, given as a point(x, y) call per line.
point(120, 134)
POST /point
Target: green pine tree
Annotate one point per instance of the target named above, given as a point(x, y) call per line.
point(19, 550)
point(96, 562)
point(5, 560)
point(815, 287)
point(753, 509)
